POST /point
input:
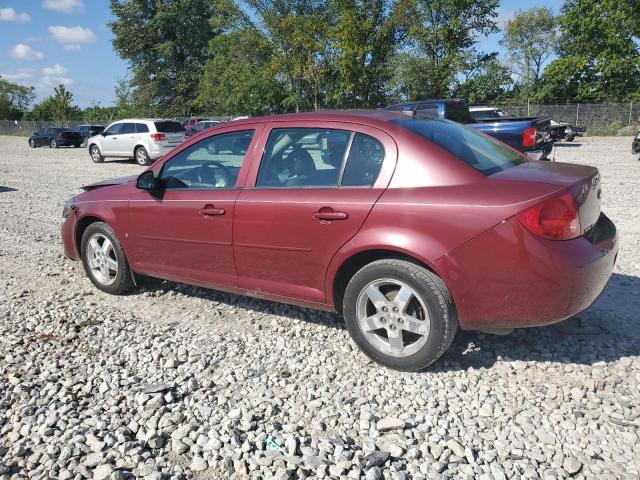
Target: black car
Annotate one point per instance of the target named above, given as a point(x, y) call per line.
point(635, 147)
point(89, 131)
point(55, 137)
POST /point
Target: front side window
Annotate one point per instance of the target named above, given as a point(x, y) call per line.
point(303, 157)
point(114, 129)
point(212, 163)
point(484, 154)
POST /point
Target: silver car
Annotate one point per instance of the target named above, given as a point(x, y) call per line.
point(142, 139)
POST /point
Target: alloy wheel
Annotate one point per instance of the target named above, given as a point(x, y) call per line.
point(95, 154)
point(393, 317)
point(102, 259)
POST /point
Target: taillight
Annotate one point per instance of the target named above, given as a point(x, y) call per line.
point(158, 137)
point(556, 218)
point(529, 137)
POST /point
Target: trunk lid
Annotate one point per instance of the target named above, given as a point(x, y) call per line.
point(582, 180)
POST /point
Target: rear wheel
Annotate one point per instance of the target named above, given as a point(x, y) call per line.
point(96, 155)
point(104, 260)
point(400, 314)
point(53, 143)
point(142, 157)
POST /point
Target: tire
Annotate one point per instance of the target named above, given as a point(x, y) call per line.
point(53, 143)
point(104, 260)
point(96, 155)
point(77, 145)
point(432, 315)
point(32, 143)
point(141, 156)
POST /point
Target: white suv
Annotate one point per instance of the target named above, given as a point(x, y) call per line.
point(145, 140)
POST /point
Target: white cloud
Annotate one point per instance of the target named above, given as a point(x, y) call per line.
point(18, 76)
point(66, 6)
point(47, 82)
point(72, 37)
point(55, 70)
point(10, 15)
point(25, 52)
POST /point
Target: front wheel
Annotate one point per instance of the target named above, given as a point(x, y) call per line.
point(53, 144)
point(142, 157)
point(104, 260)
point(32, 143)
point(400, 314)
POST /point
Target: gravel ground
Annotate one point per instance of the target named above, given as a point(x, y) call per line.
point(181, 382)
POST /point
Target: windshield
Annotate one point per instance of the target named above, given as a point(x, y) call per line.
point(169, 127)
point(486, 155)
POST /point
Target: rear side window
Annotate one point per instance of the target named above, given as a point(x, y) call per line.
point(169, 127)
point(485, 154)
point(364, 162)
point(141, 128)
point(428, 111)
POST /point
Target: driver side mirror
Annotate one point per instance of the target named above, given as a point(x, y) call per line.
point(106, 134)
point(147, 181)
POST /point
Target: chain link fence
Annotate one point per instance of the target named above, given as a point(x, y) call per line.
point(595, 118)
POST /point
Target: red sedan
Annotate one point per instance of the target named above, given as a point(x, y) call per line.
point(411, 228)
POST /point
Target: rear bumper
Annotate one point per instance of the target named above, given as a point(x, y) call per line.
point(541, 152)
point(157, 151)
point(508, 278)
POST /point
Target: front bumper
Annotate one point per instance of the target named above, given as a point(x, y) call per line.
point(509, 278)
point(67, 233)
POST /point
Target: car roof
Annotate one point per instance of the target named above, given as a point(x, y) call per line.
point(368, 117)
point(146, 120)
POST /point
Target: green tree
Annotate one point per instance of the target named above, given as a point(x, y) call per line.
point(483, 80)
point(166, 43)
point(530, 39)
point(238, 78)
point(363, 39)
point(599, 55)
point(124, 106)
point(436, 35)
point(14, 99)
point(57, 107)
point(298, 31)
point(95, 113)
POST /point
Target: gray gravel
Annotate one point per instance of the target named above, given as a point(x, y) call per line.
point(181, 382)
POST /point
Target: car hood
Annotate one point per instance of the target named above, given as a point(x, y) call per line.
point(108, 183)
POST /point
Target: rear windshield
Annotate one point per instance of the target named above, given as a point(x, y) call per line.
point(458, 112)
point(486, 155)
point(480, 114)
point(169, 127)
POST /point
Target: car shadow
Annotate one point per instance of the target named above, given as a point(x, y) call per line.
point(6, 189)
point(567, 144)
point(603, 333)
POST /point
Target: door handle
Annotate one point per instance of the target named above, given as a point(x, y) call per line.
point(330, 214)
point(211, 211)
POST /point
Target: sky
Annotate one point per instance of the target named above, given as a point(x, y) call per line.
point(47, 42)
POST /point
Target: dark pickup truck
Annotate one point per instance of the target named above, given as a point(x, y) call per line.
point(529, 135)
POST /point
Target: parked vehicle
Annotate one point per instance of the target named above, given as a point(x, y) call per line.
point(190, 123)
point(89, 131)
point(200, 126)
point(55, 137)
point(409, 227)
point(144, 140)
point(635, 147)
point(529, 135)
point(482, 112)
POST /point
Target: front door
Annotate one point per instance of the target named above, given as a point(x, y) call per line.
point(110, 141)
point(314, 188)
point(184, 231)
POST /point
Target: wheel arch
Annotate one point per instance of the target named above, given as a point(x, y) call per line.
point(81, 225)
point(354, 262)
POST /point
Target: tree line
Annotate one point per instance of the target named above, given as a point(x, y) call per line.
point(272, 56)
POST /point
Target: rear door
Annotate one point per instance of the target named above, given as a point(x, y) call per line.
point(310, 193)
